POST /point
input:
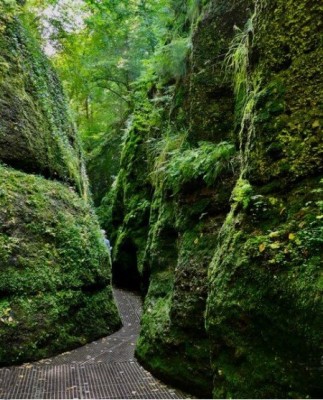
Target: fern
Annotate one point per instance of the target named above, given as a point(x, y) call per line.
point(208, 162)
point(163, 151)
point(170, 61)
point(246, 86)
point(237, 61)
point(193, 10)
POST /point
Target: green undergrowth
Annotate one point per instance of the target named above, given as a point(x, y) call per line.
point(177, 164)
point(208, 161)
point(55, 272)
point(169, 62)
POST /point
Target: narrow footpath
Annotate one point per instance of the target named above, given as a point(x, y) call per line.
point(104, 369)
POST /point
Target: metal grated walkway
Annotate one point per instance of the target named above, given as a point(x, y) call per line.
point(105, 369)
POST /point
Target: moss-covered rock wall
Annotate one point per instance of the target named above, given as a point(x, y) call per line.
point(36, 133)
point(265, 295)
point(227, 235)
point(55, 272)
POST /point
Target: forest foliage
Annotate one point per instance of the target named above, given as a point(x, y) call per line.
point(105, 51)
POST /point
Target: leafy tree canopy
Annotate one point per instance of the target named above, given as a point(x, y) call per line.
point(101, 48)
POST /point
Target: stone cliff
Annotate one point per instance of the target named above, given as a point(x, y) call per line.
point(217, 209)
point(55, 290)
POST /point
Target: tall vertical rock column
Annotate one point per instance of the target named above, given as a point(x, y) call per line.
point(265, 296)
point(227, 233)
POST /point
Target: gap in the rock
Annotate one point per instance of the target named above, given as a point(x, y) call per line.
point(125, 274)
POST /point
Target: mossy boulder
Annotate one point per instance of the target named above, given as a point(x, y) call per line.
point(187, 210)
point(55, 273)
point(173, 342)
point(168, 205)
point(210, 102)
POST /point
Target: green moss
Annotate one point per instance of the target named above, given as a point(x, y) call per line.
point(242, 192)
point(290, 110)
point(264, 301)
point(55, 272)
point(163, 348)
point(263, 304)
point(259, 216)
point(36, 132)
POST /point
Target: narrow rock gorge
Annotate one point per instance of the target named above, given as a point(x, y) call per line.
point(200, 125)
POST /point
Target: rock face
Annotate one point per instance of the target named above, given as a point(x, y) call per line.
point(36, 134)
point(219, 200)
point(55, 290)
point(264, 302)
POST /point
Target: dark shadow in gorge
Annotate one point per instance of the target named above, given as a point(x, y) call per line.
point(124, 271)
